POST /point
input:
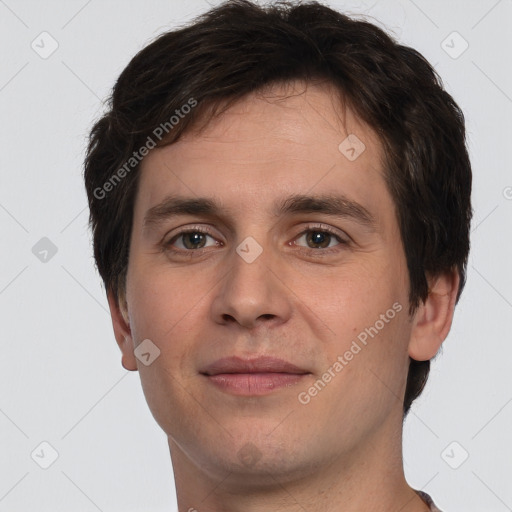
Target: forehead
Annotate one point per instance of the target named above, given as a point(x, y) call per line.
point(287, 140)
point(307, 115)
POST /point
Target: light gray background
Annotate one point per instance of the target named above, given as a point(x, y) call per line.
point(62, 381)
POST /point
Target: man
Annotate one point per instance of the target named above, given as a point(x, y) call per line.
point(280, 204)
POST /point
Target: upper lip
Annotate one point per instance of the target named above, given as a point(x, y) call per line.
point(262, 364)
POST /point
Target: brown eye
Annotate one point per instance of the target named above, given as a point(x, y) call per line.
point(193, 240)
point(189, 241)
point(320, 239)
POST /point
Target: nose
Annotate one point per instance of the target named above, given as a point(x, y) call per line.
point(252, 293)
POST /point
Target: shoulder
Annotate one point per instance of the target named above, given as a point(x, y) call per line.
point(428, 500)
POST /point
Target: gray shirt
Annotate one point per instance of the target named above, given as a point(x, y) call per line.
point(428, 500)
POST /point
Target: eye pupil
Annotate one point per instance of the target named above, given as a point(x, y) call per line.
point(319, 237)
point(196, 239)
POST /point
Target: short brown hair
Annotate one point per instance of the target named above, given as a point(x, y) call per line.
point(238, 48)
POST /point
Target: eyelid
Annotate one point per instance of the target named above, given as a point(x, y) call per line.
point(198, 228)
point(325, 227)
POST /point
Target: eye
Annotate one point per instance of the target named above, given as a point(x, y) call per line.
point(320, 237)
point(189, 240)
point(194, 239)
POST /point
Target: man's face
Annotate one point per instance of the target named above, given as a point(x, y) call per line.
point(324, 286)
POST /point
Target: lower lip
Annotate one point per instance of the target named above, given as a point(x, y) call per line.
point(248, 384)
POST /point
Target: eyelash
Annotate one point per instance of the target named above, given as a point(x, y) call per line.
point(167, 246)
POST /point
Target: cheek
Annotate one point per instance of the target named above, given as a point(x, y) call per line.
point(162, 309)
point(172, 309)
point(355, 296)
point(158, 303)
point(366, 311)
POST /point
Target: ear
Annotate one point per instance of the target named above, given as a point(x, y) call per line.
point(433, 318)
point(122, 331)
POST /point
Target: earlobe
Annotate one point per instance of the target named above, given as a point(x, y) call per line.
point(433, 319)
point(122, 332)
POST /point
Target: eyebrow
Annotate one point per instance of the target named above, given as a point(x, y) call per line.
point(336, 205)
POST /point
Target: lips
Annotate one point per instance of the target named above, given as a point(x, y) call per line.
point(262, 364)
point(253, 377)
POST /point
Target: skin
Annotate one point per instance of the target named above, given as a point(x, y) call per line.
point(342, 451)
